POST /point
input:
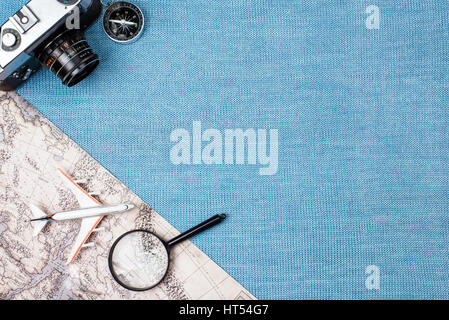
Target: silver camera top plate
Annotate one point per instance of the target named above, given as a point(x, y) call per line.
point(35, 20)
point(24, 19)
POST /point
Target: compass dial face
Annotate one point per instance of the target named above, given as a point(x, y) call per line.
point(123, 21)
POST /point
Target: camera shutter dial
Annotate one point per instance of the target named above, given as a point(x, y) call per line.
point(10, 40)
point(68, 2)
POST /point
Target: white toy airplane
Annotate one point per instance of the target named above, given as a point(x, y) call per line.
point(91, 211)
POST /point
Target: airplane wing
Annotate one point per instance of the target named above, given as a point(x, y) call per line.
point(85, 200)
point(87, 224)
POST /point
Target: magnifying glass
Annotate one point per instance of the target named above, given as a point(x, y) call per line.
point(139, 259)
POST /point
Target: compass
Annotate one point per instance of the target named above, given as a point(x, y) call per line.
point(123, 21)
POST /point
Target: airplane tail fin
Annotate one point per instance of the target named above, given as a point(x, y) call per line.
point(38, 224)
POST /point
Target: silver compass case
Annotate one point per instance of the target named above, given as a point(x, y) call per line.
point(123, 22)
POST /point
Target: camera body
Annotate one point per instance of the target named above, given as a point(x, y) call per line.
point(32, 38)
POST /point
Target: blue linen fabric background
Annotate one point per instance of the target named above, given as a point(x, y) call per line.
point(362, 116)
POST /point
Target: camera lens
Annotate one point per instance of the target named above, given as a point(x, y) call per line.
point(69, 56)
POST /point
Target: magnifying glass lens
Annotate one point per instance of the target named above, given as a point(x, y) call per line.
point(139, 260)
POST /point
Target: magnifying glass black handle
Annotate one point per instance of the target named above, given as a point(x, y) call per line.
point(197, 229)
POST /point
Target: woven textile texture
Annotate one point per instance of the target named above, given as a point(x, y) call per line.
point(362, 120)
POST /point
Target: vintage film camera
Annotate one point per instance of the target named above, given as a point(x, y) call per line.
point(48, 33)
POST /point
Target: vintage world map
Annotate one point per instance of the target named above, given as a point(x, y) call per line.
point(31, 150)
